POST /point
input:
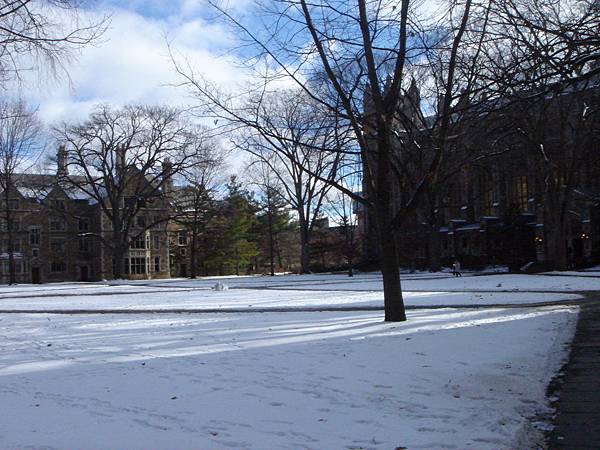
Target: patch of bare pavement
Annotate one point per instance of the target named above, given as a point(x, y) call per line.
point(577, 421)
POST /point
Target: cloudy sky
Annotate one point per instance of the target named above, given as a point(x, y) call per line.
point(132, 64)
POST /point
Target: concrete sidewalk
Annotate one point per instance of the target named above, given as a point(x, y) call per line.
point(577, 423)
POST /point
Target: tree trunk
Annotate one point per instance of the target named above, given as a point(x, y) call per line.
point(384, 214)
point(12, 279)
point(433, 249)
point(304, 249)
point(555, 237)
point(118, 252)
point(271, 240)
point(349, 238)
point(392, 289)
point(193, 254)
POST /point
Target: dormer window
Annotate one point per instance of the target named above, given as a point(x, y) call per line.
point(34, 236)
point(83, 224)
point(57, 225)
point(58, 204)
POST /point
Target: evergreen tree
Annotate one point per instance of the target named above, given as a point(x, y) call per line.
point(239, 232)
point(274, 220)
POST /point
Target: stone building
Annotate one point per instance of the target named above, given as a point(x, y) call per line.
point(502, 207)
point(59, 234)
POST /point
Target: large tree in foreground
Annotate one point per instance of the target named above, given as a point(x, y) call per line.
point(124, 160)
point(346, 55)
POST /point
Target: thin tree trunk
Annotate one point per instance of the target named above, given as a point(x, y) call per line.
point(119, 255)
point(10, 234)
point(433, 248)
point(193, 254)
point(304, 249)
point(271, 239)
point(349, 238)
point(555, 237)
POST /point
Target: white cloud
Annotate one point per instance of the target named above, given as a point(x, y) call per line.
point(132, 64)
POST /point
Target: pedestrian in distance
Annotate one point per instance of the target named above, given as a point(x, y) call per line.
point(456, 269)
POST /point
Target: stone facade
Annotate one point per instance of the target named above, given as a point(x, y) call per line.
point(59, 235)
point(495, 210)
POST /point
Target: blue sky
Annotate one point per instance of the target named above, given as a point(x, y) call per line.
point(131, 64)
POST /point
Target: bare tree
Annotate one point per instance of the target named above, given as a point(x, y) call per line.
point(355, 59)
point(275, 210)
point(292, 130)
point(125, 160)
point(20, 135)
point(194, 203)
point(341, 208)
point(43, 33)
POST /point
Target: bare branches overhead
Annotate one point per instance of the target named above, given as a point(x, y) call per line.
point(43, 35)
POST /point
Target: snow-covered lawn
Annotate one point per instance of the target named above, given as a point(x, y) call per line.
point(251, 299)
point(295, 292)
point(289, 378)
point(446, 378)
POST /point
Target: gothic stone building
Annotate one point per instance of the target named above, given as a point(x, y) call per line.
point(498, 209)
point(57, 235)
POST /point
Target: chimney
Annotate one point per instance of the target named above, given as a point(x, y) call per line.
point(167, 174)
point(62, 169)
point(120, 157)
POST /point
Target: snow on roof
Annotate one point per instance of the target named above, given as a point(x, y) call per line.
point(16, 255)
point(470, 227)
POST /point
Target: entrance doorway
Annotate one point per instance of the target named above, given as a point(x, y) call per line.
point(183, 270)
point(84, 276)
point(35, 275)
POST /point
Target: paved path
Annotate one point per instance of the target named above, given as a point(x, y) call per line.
point(577, 424)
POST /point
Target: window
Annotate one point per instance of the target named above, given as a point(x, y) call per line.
point(156, 241)
point(137, 265)
point(58, 267)
point(157, 263)
point(58, 204)
point(138, 243)
point(5, 268)
point(465, 243)
point(182, 238)
point(521, 193)
point(34, 236)
point(156, 222)
point(16, 246)
point(182, 252)
point(135, 202)
point(13, 225)
point(35, 252)
point(57, 225)
point(141, 221)
point(84, 244)
point(486, 202)
point(58, 245)
point(83, 224)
